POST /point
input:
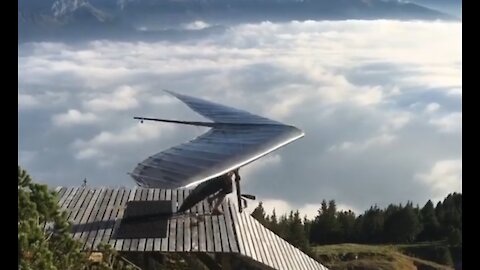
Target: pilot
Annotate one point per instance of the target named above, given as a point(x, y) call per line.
point(224, 184)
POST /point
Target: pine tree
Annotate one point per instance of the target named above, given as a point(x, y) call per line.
point(39, 248)
point(403, 225)
point(346, 220)
point(44, 241)
point(259, 214)
point(431, 226)
point(273, 222)
point(296, 233)
point(372, 225)
point(325, 228)
point(307, 224)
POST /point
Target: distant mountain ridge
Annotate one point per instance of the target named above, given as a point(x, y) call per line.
point(44, 18)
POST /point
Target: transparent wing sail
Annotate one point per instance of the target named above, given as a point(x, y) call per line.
point(236, 138)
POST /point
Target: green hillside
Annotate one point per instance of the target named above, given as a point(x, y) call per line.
point(365, 257)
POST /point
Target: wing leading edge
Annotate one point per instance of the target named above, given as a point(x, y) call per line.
point(236, 138)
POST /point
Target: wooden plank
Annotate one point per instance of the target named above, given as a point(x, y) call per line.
point(307, 262)
point(149, 241)
point(74, 205)
point(202, 235)
point(223, 229)
point(83, 213)
point(236, 226)
point(269, 253)
point(94, 228)
point(92, 225)
point(168, 196)
point(121, 193)
point(116, 217)
point(267, 234)
point(159, 195)
point(300, 257)
point(120, 244)
point(286, 248)
point(91, 213)
point(312, 263)
point(78, 202)
point(303, 258)
point(273, 239)
point(180, 222)
point(291, 262)
point(261, 241)
point(132, 243)
point(249, 251)
point(63, 194)
point(99, 238)
point(83, 202)
point(217, 240)
point(156, 241)
point(187, 241)
point(194, 224)
point(232, 240)
point(172, 237)
point(208, 228)
point(142, 241)
point(70, 202)
point(249, 236)
point(60, 191)
point(257, 242)
point(271, 248)
point(69, 198)
point(295, 254)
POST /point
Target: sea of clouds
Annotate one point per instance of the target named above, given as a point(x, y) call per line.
point(380, 103)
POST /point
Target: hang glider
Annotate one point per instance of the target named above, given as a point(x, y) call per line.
point(235, 139)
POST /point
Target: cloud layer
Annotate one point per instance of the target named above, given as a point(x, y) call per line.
point(379, 101)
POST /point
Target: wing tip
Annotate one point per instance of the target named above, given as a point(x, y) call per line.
point(173, 93)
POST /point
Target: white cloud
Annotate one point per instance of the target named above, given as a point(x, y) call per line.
point(395, 121)
point(369, 97)
point(161, 100)
point(270, 161)
point(450, 123)
point(286, 104)
point(455, 92)
point(105, 143)
point(26, 157)
point(280, 206)
point(26, 101)
point(379, 140)
point(444, 177)
point(122, 98)
point(432, 107)
point(73, 117)
point(196, 25)
point(87, 153)
point(42, 100)
point(400, 121)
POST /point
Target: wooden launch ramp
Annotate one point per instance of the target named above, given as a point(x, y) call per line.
point(96, 214)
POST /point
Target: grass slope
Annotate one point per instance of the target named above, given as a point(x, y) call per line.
point(356, 257)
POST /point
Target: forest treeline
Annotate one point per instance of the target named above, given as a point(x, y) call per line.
point(395, 224)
